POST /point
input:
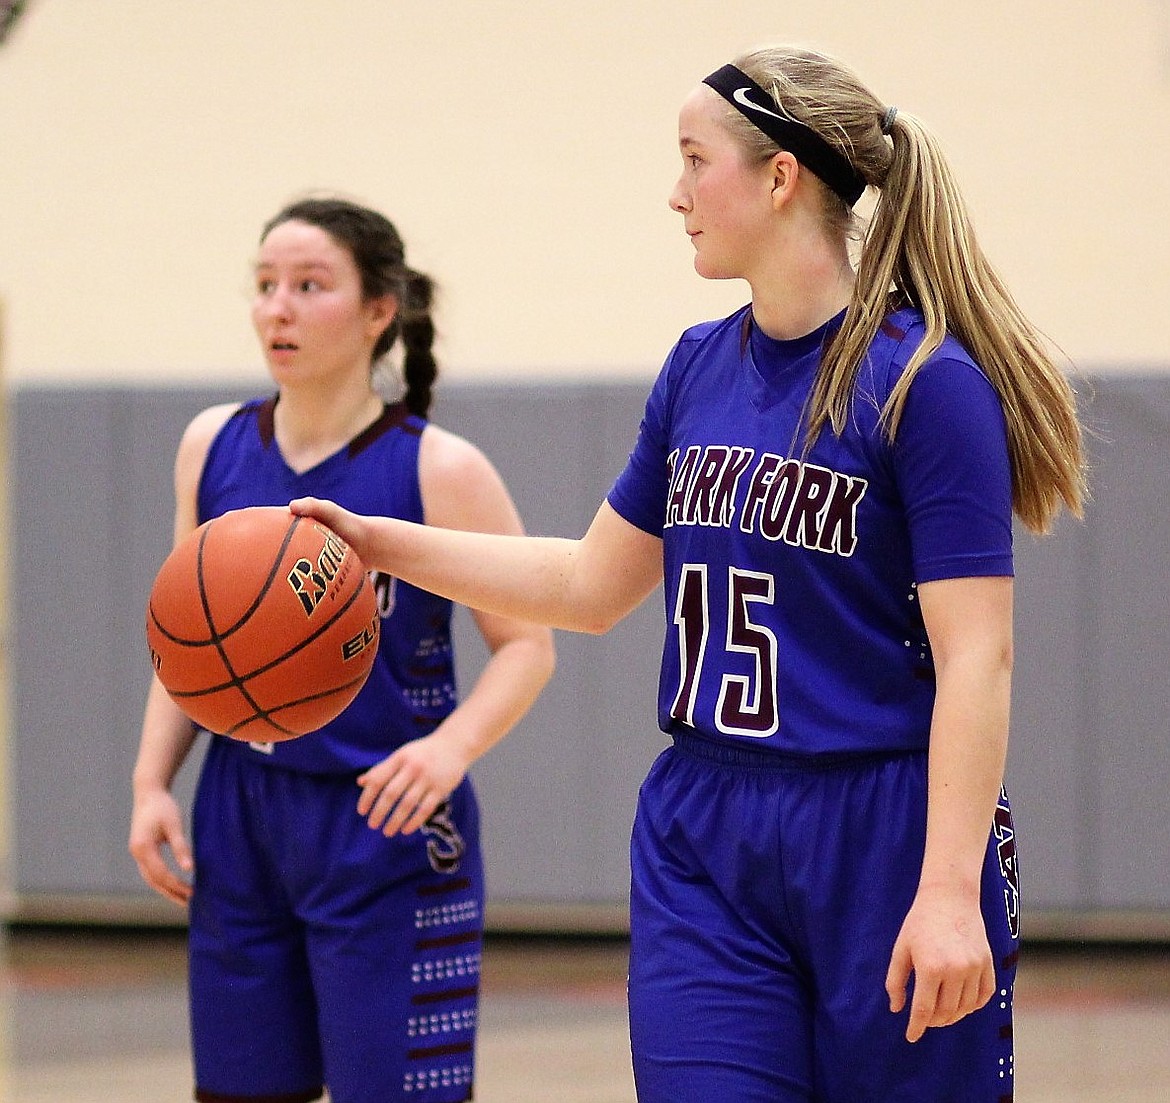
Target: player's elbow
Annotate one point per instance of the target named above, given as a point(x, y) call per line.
point(600, 617)
point(599, 594)
point(596, 626)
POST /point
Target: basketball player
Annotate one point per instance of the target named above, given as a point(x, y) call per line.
point(337, 906)
point(824, 894)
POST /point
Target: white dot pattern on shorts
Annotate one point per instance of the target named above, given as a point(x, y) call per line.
point(446, 915)
point(434, 1078)
point(445, 1022)
point(445, 968)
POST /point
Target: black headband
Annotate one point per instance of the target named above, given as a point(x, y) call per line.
point(804, 143)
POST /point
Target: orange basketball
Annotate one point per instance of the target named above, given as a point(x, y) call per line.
point(261, 625)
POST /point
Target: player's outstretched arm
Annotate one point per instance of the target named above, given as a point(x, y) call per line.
point(584, 585)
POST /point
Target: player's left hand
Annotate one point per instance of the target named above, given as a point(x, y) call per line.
point(402, 791)
point(944, 944)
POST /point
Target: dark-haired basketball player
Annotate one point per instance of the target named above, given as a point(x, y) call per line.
point(337, 906)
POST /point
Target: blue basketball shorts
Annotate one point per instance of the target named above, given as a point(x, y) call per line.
point(323, 953)
point(766, 898)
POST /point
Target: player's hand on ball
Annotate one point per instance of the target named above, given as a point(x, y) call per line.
point(944, 944)
point(401, 792)
point(156, 823)
point(351, 527)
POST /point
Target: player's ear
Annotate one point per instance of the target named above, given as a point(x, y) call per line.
point(380, 312)
point(784, 170)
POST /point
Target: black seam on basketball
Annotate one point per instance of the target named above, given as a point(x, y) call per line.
point(321, 629)
point(169, 636)
point(237, 679)
point(216, 635)
point(203, 601)
point(266, 714)
point(217, 638)
point(237, 683)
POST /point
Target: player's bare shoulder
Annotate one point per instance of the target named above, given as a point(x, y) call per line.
point(460, 486)
point(196, 440)
point(203, 427)
point(444, 455)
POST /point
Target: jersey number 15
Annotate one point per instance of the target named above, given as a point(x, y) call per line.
point(746, 704)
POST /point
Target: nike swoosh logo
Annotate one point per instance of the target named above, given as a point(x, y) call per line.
point(740, 95)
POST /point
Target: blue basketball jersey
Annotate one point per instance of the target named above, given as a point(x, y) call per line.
point(412, 685)
point(791, 575)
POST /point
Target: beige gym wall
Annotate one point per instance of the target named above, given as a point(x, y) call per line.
point(526, 150)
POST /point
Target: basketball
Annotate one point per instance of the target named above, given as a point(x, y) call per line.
point(262, 626)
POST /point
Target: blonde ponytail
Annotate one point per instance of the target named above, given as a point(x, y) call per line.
point(921, 250)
